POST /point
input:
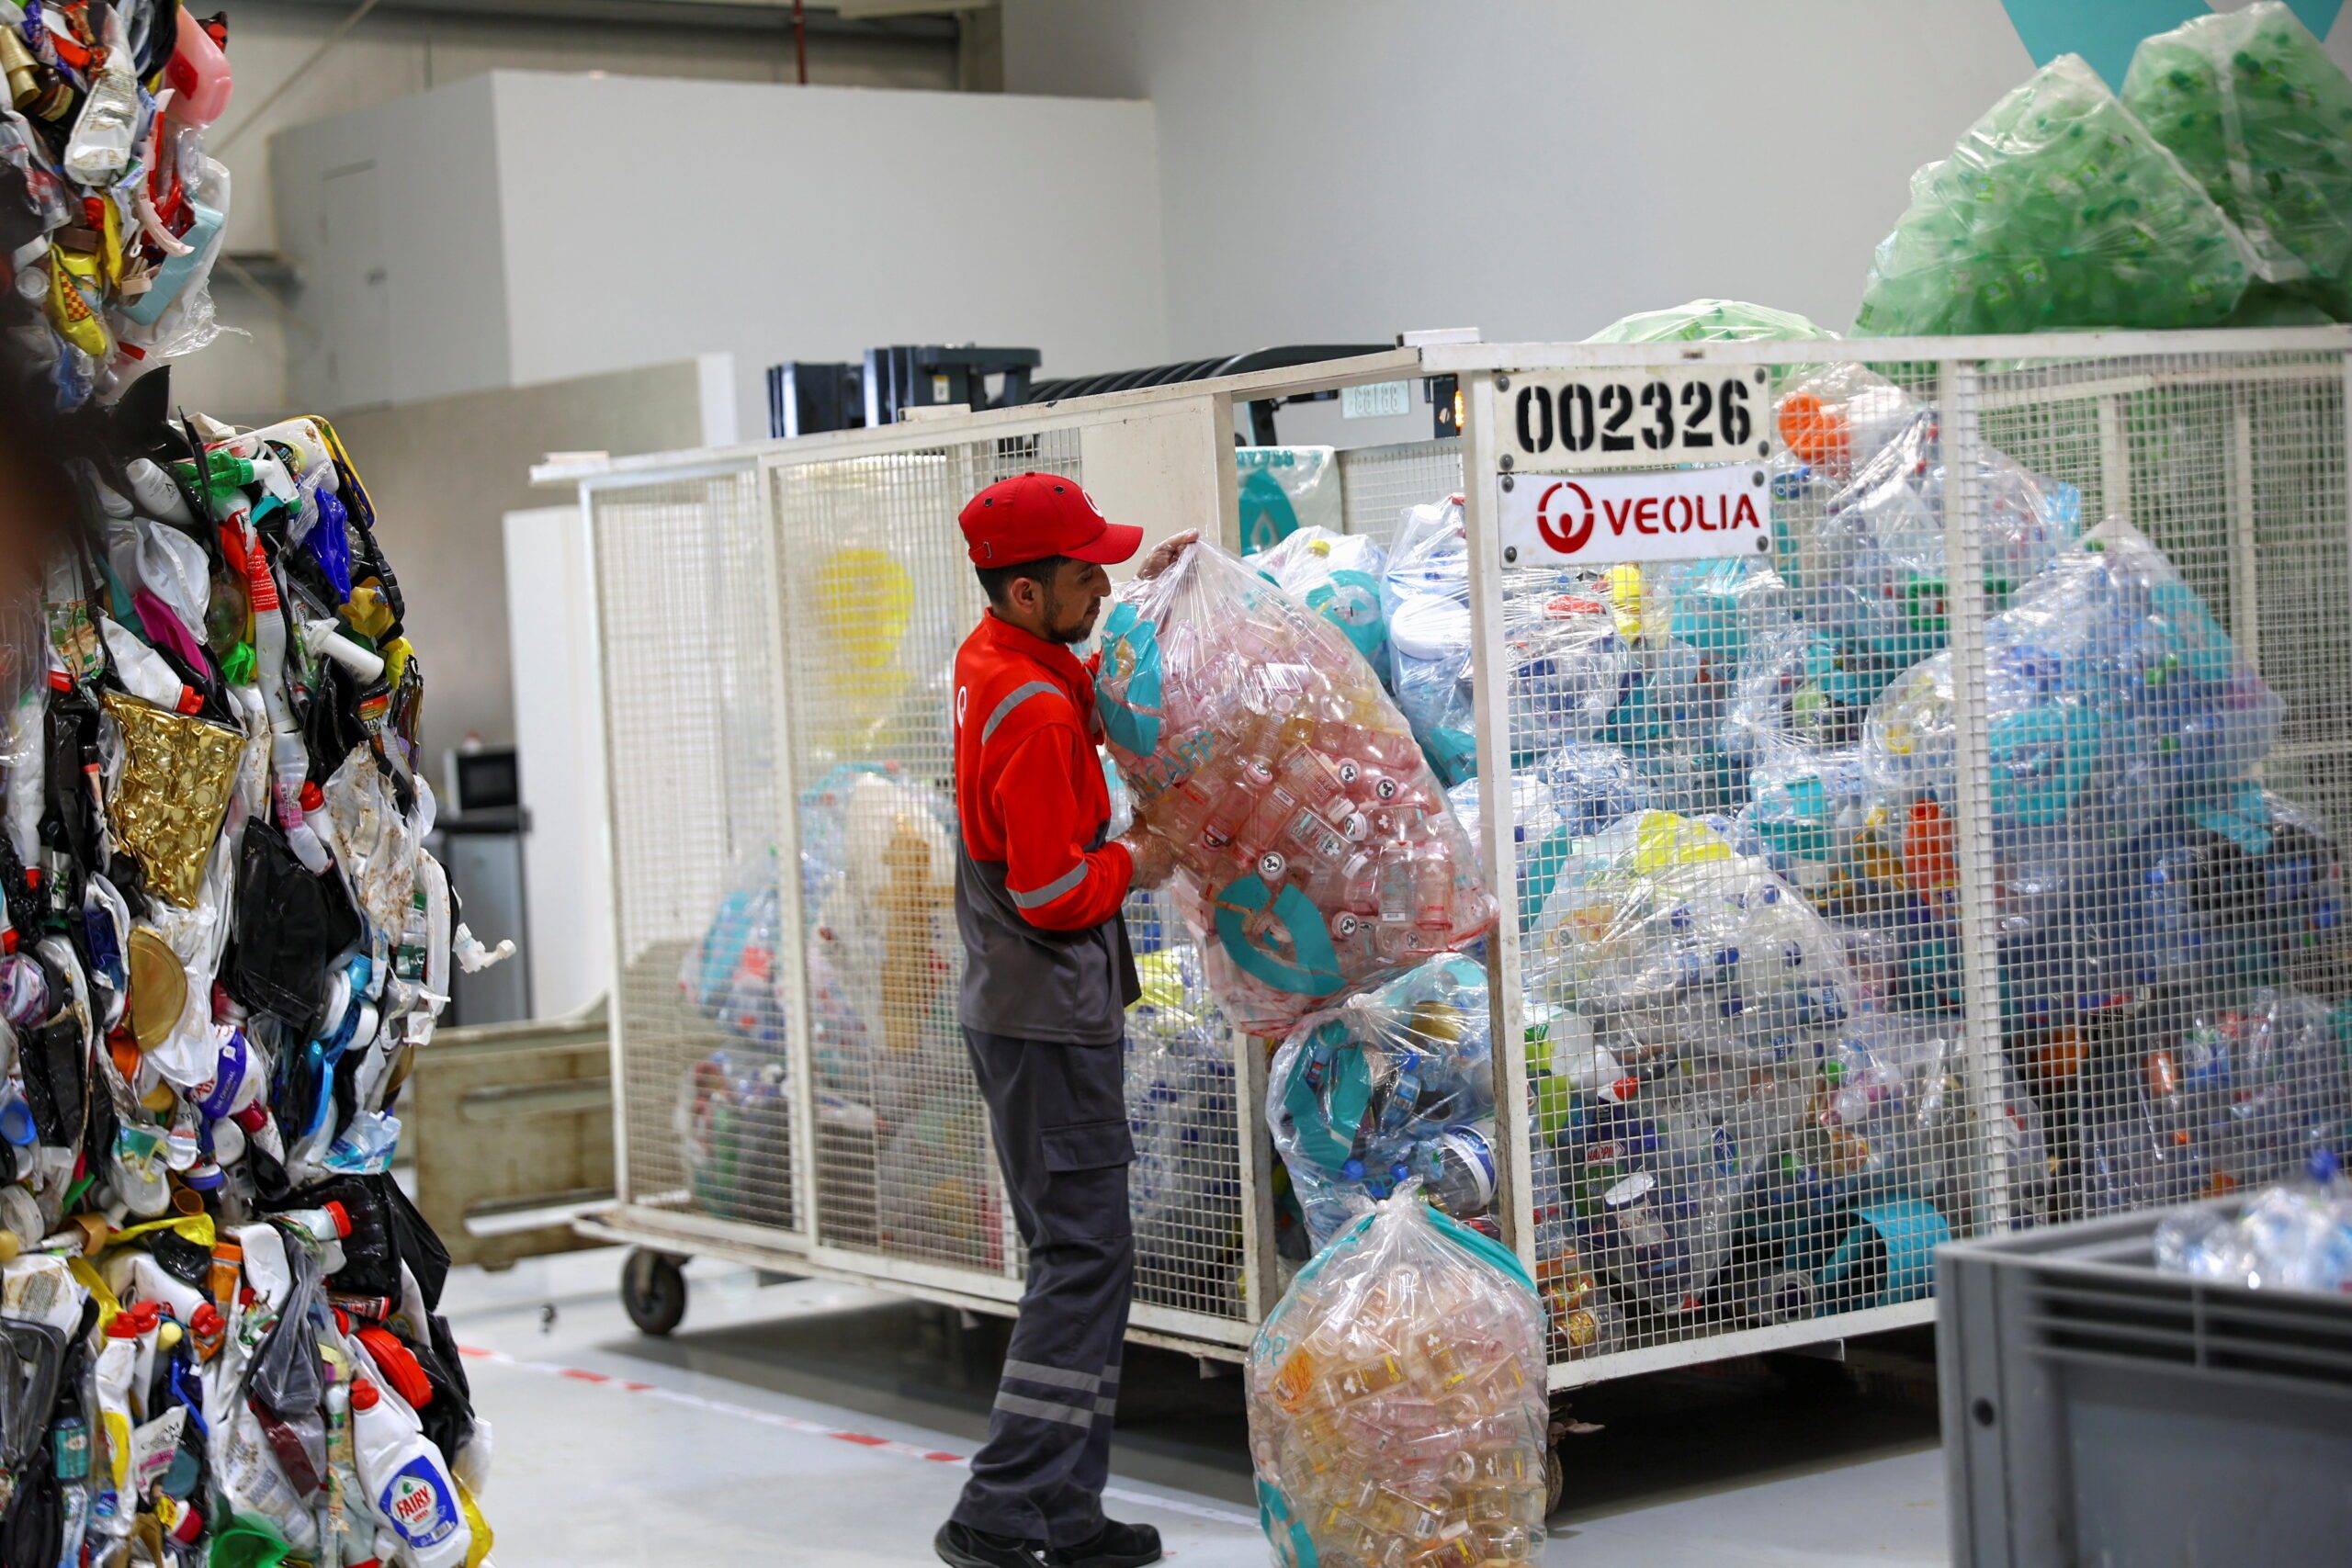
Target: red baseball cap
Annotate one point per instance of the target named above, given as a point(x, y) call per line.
point(1031, 516)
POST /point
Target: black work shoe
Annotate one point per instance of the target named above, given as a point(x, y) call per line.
point(961, 1546)
point(1116, 1546)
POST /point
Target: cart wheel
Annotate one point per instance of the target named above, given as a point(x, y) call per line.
point(653, 1288)
point(1555, 1482)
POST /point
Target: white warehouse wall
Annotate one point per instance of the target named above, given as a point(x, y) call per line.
point(395, 53)
point(522, 227)
point(813, 224)
point(1336, 170)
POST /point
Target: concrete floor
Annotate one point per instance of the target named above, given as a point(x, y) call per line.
point(809, 1423)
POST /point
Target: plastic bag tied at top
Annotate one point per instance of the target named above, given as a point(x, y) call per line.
point(2056, 210)
point(1315, 853)
point(2252, 105)
point(1397, 1411)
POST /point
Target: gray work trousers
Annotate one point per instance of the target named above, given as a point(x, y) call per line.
point(1060, 1119)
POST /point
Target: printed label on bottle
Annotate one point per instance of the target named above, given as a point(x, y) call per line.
point(418, 1506)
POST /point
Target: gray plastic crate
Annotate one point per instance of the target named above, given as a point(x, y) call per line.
point(2098, 1412)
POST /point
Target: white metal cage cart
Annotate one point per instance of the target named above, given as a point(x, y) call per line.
point(1938, 911)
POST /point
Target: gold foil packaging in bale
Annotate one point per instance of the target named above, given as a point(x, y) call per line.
point(167, 804)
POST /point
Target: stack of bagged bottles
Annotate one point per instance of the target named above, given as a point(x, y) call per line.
point(102, 155)
point(878, 953)
point(2056, 210)
point(1397, 1411)
point(1315, 853)
point(2215, 190)
point(2255, 110)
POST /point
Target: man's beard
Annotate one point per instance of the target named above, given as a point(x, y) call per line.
point(1069, 636)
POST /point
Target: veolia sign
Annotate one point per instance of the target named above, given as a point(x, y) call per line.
point(1671, 514)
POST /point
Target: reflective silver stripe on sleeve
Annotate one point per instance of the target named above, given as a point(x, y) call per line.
point(1013, 699)
point(1050, 891)
point(1107, 1407)
point(1111, 1373)
point(1051, 1377)
point(1070, 1414)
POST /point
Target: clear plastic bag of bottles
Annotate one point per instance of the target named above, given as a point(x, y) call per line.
point(2113, 696)
point(1567, 658)
point(1338, 577)
point(1397, 1410)
point(2057, 209)
point(1560, 798)
point(2294, 1236)
point(1670, 944)
point(1181, 1104)
point(1316, 852)
point(1390, 1086)
point(2253, 107)
point(1710, 321)
point(2227, 1097)
point(1816, 821)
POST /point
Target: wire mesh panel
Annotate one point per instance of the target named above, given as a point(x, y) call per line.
point(1964, 854)
point(702, 1006)
point(1378, 483)
point(878, 594)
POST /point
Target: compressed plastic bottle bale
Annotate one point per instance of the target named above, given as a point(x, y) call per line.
point(1558, 798)
point(1674, 947)
point(1397, 1411)
point(2256, 111)
point(2056, 210)
point(1316, 852)
point(1393, 1085)
point(1710, 321)
point(2112, 695)
point(1567, 661)
point(1337, 576)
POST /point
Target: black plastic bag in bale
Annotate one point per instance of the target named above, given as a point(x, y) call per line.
point(371, 1253)
point(292, 929)
point(420, 1248)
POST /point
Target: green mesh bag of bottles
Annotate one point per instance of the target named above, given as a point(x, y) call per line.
point(1710, 321)
point(2057, 209)
point(2254, 109)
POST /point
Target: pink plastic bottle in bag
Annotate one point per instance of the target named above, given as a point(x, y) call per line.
point(198, 74)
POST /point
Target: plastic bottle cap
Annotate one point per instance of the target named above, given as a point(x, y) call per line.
point(206, 1319)
point(189, 701)
point(16, 1123)
point(364, 1395)
point(312, 797)
point(342, 1218)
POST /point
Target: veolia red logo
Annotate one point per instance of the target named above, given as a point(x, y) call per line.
point(1566, 520)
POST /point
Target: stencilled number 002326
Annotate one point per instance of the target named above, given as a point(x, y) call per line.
point(1624, 418)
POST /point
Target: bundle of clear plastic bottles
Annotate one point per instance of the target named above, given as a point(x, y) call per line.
point(102, 157)
point(2058, 209)
point(1397, 1411)
point(1315, 853)
point(1338, 577)
point(2296, 1236)
point(1392, 1084)
point(2255, 110)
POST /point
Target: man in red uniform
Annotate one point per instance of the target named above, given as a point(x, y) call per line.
point(1048, 977)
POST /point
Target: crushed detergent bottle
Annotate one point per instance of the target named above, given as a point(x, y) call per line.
point(407, 1482)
